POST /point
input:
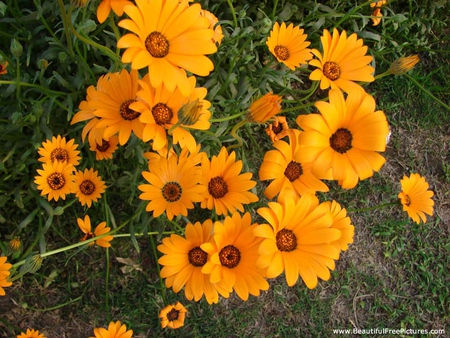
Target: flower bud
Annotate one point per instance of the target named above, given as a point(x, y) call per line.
point(403, 65)
point(16, 48)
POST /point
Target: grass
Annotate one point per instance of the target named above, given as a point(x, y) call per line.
point(395, 274)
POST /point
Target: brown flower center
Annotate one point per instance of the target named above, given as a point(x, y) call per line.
point(341, 140)
point(331, 70)
point(229, 256)
point(59, 155)
point(171, 191)
point(197, 257)
point(103, 147)
point(407, 200)
point(56, 181)
point(172, 315)
point(127, 113)
point(157, 45)
point(293, 171)
point(281, 52)
point(286, 240)
point(87, 236)
point(87, 187)
point(217, 187)
point(277, 128)
point(162, 114)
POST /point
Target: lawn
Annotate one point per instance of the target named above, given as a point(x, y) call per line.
point(55, 54)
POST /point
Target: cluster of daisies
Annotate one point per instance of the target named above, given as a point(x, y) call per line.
point(298, 235)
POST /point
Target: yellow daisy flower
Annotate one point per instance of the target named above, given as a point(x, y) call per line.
point(297, 240)
point(416, 198)
point(101, 229)
point(288, 45)
point(4, 273)
point(342, 62)
point(278, 129)
point(233, 254)
point(169, 38)
point(115, 330)
point(105, 149)
point(183, 261)
point(213, 24)
point(173, 316)
point(163, 114)
point(264, 108)
point(55, 180)
point(88, 186)
point(104, 8)
point(284, 167)
point(115, 103)
point(343, 142)
point(59, 150)
point(31, 333)
point(174, 186)
point(228, 189)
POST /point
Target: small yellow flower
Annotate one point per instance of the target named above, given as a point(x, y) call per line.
point(416, 198)
point(115, 330)
point(85, 226)
point(404, 64)
point(173, 316)
point(278, 129)
point(376, 16)
point(31, 334)
point(264, 108)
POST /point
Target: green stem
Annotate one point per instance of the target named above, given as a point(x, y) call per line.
point(236, 136)
point(67, 21)
point(227, 118)
point(274, 10)
point(107, 287)
point(233, 12)
point(374, 207)
point(18, 80)
point(32, 85)
point(426, 91)
point(302, 106)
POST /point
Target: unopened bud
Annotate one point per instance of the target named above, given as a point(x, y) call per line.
point(16, 48)
point(190, 113)
point(403, 65)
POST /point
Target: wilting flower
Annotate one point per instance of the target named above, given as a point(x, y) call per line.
point(59, 150)
point(31, 333)
point(183, 261)
point(173, 316)
point(4, 273)
point(284, 167)
point(376, 16)
point(343, 142)
point(416, 198)
point(233, 255)
point(174, 186)
point(14, 245)
point(165, 108)
point(213, 24)
point(3, 66)
point(404, 64)
point(115, 330)
point(101, 229)
point(342, 62)
point(264, 108)
point(55, 180)
point(297, 240)
point(169, 38)
point(278, 129)
point(88, 186)
point(104, 8)
point(378, 3)
point(288, 45)
point(105, 149)
point(227, 188)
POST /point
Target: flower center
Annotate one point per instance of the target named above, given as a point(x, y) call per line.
point(229, 256)
point(407, 200)
point(171, 191)
point(59, 155)
point(87, 236)
point(197, 257)
point(277, 128)
point(56, 181)
point(293, 171)
point(87, 187)
point(341, 140)
point(103, 147)
point(281, 52)
point(217, 187)
point(127, 113)
point(162, 114)
point(286, 240)
point(157, 45)
point(331, 70)
point(172, 315)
